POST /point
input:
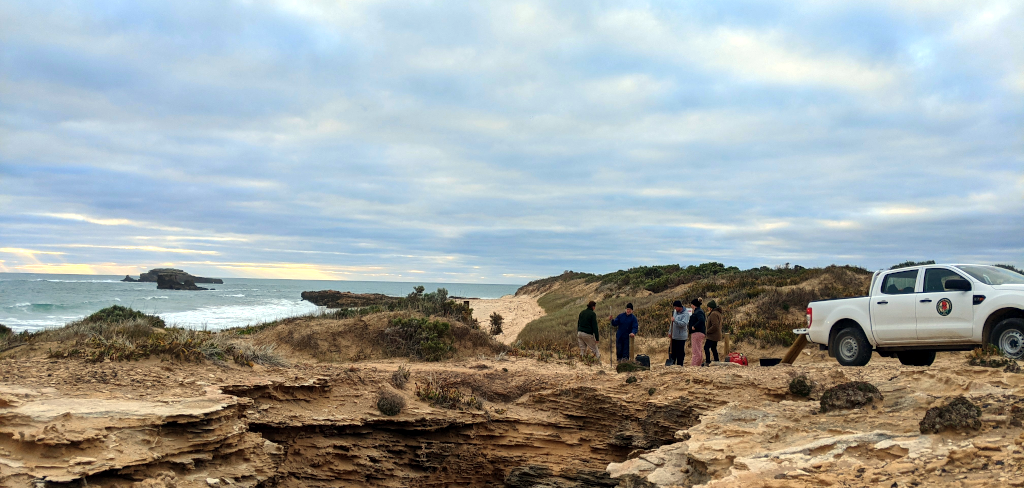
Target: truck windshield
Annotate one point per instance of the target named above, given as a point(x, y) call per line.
point(992, 275)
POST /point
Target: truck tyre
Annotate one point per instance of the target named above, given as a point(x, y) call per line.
point(1008, 336)
point(916, 358)
point(852, 348)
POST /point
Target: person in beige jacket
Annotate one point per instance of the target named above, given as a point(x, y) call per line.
point(714, 333)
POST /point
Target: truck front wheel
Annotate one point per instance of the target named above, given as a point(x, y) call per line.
point(1008, 336)
point(851, 347)
point(916, 358)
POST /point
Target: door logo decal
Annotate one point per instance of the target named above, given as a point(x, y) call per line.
point(944, 307)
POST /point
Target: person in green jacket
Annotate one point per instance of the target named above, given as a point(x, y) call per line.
point(586, 331)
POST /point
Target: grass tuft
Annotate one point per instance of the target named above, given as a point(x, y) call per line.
point(400, 377)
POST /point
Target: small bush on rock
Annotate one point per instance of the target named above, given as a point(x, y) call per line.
point(854, 394)
point(400, 377)
point(958, 413)
point(631, 379)
point(801, 386)
point(390, 403)
point(446, 396)
point(988, 356)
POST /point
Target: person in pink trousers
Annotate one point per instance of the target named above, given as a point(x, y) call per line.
point(698, 331)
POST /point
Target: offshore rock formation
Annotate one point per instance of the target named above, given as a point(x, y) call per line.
point(153, 276)
point(166, 282)
point(344, 299)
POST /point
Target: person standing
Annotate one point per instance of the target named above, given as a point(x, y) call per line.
point(586, 331)
point(626, 326)
point(714, 333)
point(698, 329)
point(677, 333)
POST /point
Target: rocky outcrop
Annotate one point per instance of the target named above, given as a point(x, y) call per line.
point(48, 437)
point(165, 282)
point(152, 276)
point(540, 424)
point(344, 299)
point(129, 279)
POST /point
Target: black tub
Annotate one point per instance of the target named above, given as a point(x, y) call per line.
point(770, 361)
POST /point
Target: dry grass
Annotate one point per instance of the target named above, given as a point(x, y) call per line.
point(400, 377)
point(445, 395)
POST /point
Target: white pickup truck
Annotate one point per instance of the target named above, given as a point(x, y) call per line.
point(913, 312)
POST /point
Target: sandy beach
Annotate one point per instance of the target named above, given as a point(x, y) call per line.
point(516, 310)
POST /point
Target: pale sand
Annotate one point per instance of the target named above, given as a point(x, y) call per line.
point(516, 310)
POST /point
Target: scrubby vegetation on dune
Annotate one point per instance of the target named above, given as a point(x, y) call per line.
point(419, 326)
point(121, 334)
point(377, 336)
point(761, 305)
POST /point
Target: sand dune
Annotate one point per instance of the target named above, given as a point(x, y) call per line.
point(516, 310)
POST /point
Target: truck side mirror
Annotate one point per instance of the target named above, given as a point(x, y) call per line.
point(958, 285)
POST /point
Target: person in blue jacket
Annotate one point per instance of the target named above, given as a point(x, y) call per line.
point(626, 326)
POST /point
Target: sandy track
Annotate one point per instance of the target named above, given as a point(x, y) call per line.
point(516, 310)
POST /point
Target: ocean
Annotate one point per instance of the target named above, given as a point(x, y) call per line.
point(38, 301)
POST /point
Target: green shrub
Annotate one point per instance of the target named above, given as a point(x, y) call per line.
point(390, 403)
point(496, 321)
point(430, 340)
point(631, 379)
point(116, 313)
point(5, 331)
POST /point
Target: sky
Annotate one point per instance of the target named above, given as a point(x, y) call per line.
point(503, 141)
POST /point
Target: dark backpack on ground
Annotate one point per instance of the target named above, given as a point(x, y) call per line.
point(644, 360)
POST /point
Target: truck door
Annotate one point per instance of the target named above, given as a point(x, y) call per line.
point(894, 307)
point(944, 315)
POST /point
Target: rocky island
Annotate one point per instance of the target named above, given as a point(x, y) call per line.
point(153, 276)
point(172, 279)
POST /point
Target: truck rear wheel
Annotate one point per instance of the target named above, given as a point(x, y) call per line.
point(916, 358)
point(1008, 336)
point(851, 347)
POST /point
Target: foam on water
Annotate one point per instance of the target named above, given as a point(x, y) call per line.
point(227, 316)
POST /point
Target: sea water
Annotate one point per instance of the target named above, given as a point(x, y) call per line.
point(38, 301)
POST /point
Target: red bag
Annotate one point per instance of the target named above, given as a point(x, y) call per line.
point(735, 357)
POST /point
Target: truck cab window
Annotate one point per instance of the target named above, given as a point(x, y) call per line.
point(900, 283)
point(935, 279)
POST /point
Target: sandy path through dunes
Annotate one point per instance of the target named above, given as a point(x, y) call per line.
point(516, 310)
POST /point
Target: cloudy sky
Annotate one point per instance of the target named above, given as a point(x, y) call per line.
point(503, 141)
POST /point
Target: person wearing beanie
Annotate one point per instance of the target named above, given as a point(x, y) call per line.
point(714, 333)
point(626, 326)
point(586, 331)
point(698, 330)
point(678, 332)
